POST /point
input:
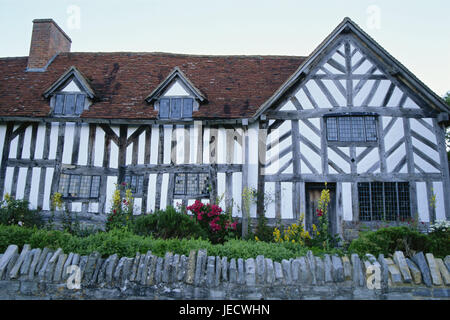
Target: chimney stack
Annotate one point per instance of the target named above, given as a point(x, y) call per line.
point(47, 40)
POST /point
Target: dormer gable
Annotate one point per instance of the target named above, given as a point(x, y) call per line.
point(70, 95)
point(176, 97)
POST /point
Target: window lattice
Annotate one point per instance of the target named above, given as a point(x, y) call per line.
point(351, 128)
point(135, 183)
point(191, 184)
point(383, 201)
point(78, 186)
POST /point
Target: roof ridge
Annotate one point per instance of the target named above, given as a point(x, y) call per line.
point(180, 54)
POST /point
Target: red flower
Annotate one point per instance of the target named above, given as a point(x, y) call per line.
point(319, 213)
point(124, 183)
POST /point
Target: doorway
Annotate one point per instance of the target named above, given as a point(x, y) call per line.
point(313, 191)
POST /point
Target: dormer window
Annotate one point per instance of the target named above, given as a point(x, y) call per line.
point(70, 95)
point(175, 108)
point(69, 104)
point(176, 97)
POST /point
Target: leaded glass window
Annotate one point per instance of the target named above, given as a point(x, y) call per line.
point(135, 183)
point(191, 184)
point(388, 201)
point(351, 128)
point(79, 186)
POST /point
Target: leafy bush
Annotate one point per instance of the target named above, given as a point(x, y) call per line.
point(168, 224)
point(17, 212)
point(219, 226)
point(125, 243)
point(391, 239)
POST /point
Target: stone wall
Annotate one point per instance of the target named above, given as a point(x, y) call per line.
point(48, 274)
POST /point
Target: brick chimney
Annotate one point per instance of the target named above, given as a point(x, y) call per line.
point(47, 40)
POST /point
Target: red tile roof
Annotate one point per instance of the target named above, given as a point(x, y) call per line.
point(234, 86)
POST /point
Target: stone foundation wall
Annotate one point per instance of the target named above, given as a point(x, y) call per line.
point(48, 274)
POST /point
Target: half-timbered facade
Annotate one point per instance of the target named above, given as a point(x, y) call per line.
point(177, 128)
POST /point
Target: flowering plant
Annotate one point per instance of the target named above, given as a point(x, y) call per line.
point(211, 218)
point(294, 233)
point(122, 207)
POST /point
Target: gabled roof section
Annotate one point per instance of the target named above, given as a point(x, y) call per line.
point(176, 74)
point(71, 74)
point(396, 69)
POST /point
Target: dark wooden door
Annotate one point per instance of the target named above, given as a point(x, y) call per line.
point(313, 192)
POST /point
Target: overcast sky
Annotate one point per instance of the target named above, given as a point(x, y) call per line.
point(417, 33)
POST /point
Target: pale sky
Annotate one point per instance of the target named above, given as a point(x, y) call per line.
point(417, 33)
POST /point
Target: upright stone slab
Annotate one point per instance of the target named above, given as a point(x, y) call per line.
point(320, 271)
point(43, 270)
point(279, 279)
point(14, 274)
point(83, 264)
point(434, 270)
point(400, 260)
point(210, 271)
point(166, 276)
point(190, 275)
point(7, 256)
point(135, 267)
point(415, 272)
point(443, 270)
point(118, 271)
point(260, 269)
point(65, 275)
point(126, 272)
point(338, 269)
point(200, 267)
point(224, 263)
point(312, 266)
point(270, 271)
point(11, 265)
point(358, 276)
point(101, 279)
point(159, 270)
point(287, 274)
point(396, 276)
point(447, 262)
point(419, 259)
point(181, 275)
point(384, 271)
point(233, 271)
point(218, 271)
point(152, 269)
point(241, 271)
point(110, 268)
point(175, 267)
point(34, 263)
point(143, 268)
point(59, 267)
point(347, 268)
point(327, 268)
point(296, 273)
point(24, 269)
point(42, 258)
point(91, 264)
point(305, 274)
point(97, 270)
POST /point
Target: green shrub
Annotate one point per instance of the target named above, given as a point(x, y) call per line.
point(391, 239)
point(17, 212)
point(167, 224)
point(125, 243)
